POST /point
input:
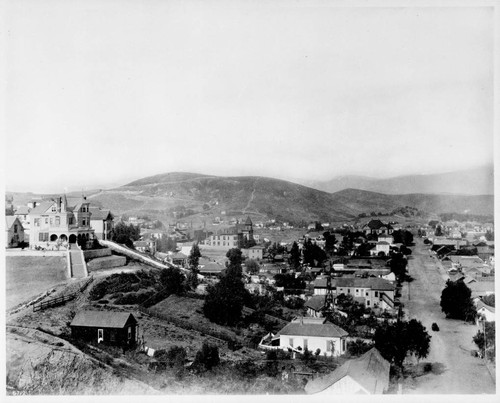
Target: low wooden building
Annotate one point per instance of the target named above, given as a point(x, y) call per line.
point(116, 328)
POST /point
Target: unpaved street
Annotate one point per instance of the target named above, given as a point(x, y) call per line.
point(457, 371)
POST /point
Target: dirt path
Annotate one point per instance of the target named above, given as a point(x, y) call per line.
point(457, 371)
point(249, 201)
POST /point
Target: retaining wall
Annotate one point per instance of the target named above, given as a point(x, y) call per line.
point(95, 253)
point(106, 262)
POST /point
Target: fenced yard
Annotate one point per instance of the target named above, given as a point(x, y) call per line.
point(28, 276)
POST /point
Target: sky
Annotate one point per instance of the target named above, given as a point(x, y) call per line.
point(100, 93)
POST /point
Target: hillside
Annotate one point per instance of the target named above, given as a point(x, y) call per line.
point(430, 203)
point(199, 198)
point(477, 181)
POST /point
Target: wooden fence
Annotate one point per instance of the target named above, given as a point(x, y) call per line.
point(62, 299)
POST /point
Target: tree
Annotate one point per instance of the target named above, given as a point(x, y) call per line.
point(252, 266)
point(329, 243)
point(207, 357)
point(235, 258)
point(398, 266)
point(291, 284)
point(294, 259)
point(172, 280)
point(126, 234)
point(456, 301)
point(438, 231)
point(486, 343)
point(396, 341)
point(194, 256)
point(225, 300)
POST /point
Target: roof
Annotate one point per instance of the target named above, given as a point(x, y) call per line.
point(376, 224)
point(316, 303)
point(105, 319)
point(42, 207)
point(312, 330)
point(10, 220)
point(482, 305)
point(179, 255)
point(370, 282)
point(22, 210)
point(248, 221)
point(370, 371)
point(98, 214)
point(211, 268)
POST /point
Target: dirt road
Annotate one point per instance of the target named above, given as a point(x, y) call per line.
point(457, 371)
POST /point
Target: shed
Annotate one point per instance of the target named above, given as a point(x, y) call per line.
point(117, 328)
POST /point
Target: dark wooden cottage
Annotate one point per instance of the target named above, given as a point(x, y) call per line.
point(117, 328)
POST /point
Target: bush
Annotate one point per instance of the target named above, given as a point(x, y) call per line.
point(207, 357)
point(99, 290)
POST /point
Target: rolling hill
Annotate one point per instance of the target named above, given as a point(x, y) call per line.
point(200, 198)
point(479, 181)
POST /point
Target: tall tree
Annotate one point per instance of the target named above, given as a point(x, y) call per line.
point(329, 243)
point(456, 301)
point(396, 341)
point(172, 280)
point(225, 300)
point(294, 259)
point(194, 256)
point(235, 258)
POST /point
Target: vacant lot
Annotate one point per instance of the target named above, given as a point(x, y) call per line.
point(29, 276)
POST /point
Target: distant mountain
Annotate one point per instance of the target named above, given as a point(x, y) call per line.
point(479, 181)
point(199, 198)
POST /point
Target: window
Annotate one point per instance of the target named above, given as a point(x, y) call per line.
point(37, 222)
point(367, 302)
point(305, 344)
point(53, 209)
point(367, 293)
point(58, 221)
point(70, 222)
point(43, 237)
point(348, 290)
point(330, 346)
point(129, 335)
point(51, 221)
point(290, 341)
point(357, 290)
point(376, 293)
point(343, 344)
point(46, 220)
point(15, 227)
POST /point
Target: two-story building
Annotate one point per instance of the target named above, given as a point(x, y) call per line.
point(102, 222)
point(374, 292)
point(14, 231)
point(377, 227)
point(231, 237)
point(57, 221)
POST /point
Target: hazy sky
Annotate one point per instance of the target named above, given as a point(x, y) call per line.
point(104, 92)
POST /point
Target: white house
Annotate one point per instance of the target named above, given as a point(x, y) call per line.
point(313, 334)
point(381, 246)
point(484, 312)
point(365, 375)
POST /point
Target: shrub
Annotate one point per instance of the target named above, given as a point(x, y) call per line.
point(99, 290)
point(207, 357)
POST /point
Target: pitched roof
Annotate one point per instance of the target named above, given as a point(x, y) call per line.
point(313, 330)
point(22, 210)
point(10, 220)
point(370, 371)
point(376, 224)
point(98, 214)
point(105, 319)
point(211, 268)
point(316, 303)
point(370, 282)
point(248, 221)
point(42, 207)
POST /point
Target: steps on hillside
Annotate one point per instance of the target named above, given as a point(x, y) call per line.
point(78, 267)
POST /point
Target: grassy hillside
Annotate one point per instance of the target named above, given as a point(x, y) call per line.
point(200, 198)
